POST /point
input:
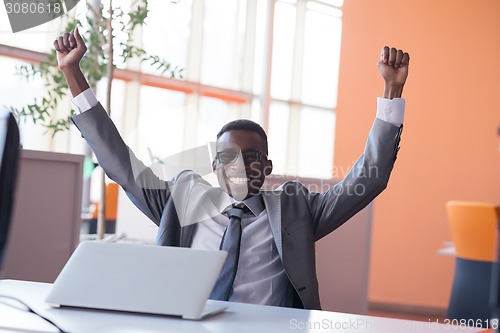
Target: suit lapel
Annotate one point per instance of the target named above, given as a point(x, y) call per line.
point(272, 201)
point(170, 232)
point(187, 233)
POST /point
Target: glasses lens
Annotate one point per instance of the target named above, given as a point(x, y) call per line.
point(227, 157)
point(251, 156)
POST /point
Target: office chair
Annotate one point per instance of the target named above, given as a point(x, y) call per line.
point(473, 228)
point(110, 213)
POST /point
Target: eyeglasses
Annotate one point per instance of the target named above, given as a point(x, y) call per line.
point(230, 156)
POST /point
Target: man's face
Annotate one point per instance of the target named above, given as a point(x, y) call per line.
point(241, 164)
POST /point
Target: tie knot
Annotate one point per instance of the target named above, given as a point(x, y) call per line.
point(235, 212)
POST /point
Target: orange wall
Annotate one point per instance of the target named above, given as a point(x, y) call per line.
point(449, 149)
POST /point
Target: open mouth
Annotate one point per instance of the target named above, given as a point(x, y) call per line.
point(238, 180)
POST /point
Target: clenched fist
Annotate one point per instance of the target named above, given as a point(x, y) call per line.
point(393, 65)
point(70, 49)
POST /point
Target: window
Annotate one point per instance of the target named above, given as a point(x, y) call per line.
point(161, 123)
point(273, 61)
point(15, 91)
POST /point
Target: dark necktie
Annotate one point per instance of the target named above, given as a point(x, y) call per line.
point(231, 244)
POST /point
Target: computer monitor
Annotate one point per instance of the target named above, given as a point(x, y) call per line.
point(9, 156)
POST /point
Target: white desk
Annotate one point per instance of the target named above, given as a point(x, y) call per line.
point(239, 318)
point(448, 249)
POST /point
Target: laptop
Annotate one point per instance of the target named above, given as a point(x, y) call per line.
point(139, 278)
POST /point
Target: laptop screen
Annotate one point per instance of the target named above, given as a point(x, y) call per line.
point(9, 155)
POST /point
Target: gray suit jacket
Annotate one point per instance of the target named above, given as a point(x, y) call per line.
point(298, 217)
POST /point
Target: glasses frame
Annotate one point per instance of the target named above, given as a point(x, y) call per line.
point(261, 154)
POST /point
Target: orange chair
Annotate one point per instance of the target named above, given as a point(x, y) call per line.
point(474, 228)
point(111, 210)
point(111, 203)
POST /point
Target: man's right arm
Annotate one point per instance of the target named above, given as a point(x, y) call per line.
point(147, 192)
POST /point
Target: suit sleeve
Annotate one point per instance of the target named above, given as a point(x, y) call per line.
point(144, 188)
point(367, 179)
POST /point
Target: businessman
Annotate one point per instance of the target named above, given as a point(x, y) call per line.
point(275, 261)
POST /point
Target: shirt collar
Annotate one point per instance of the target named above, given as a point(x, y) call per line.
point(223, 201)
point(255, 204)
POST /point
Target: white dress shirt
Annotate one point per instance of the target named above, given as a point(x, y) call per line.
point(260, 278)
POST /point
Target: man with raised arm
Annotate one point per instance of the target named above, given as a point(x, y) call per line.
point(277, 229)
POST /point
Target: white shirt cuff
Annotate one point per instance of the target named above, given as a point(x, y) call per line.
point(84, 101)
point(391, 110)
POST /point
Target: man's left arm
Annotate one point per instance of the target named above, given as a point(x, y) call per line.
point(370, 175)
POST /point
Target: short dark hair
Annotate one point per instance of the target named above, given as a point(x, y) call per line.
point(246, 125)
